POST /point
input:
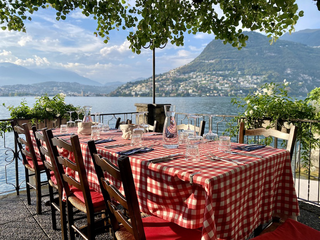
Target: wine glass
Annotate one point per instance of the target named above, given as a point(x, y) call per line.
point(78, 111)
point(188, 131)
point(70, 123)
point(144, 124)
point(139, 127)
point(210, 136)
point(97, 118)
point(195, 117)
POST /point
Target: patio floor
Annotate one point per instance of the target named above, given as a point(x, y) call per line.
point(19, 220)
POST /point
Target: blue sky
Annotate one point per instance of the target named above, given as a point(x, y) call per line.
point(71, 45)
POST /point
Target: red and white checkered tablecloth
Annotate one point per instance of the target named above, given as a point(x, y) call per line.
point(227, 201)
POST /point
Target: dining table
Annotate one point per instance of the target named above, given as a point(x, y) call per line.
point(226, 194)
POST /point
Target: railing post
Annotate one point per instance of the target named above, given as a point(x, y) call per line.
point(16, 157)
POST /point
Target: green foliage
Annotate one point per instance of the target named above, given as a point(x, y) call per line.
point(44, 108)
point(165, 21)
point(273, 103)
point(5, 127)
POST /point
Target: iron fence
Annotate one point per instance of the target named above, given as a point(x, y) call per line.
point(305, 172)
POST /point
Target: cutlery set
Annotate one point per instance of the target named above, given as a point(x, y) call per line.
point(117, 145)
point(165, 158)
point(213, 157)
point(244, 154)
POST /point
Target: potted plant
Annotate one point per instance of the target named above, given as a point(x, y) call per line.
point(273, 103)
point(46, 111)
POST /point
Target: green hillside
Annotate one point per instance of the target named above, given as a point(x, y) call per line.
point(224, 70)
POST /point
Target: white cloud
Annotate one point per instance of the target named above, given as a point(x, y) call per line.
point(183, 53)
point(24, 40)
point(123, 48)
point(203, 36)
point(32, 62)
point(5, 53)
point(77, 14)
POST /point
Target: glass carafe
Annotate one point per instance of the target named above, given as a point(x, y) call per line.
point(170, 132)
point(87, 112)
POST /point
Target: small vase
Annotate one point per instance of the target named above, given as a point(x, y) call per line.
point(170, 132)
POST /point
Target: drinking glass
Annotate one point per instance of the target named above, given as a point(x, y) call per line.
point(183, 138)
point(192, 152)
point(63, 128)
point(136, 137)
point(210, 136)
point(192, 148)
point(195, 140)
point(95, 132)
point(224, 143)
point(105, 128)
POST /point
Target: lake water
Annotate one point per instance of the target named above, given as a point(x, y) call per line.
point(208, 105)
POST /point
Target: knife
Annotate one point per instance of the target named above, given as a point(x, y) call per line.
point(118, 145)
point(165, 158)
point(245, 154)
point(224, 159)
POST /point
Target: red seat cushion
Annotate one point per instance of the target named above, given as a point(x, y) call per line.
point(291, 230)
point(39, 161)
point(53, 177)
point(157, 228)
point(97, 198)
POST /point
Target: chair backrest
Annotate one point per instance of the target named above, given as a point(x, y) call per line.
point(25, 144)
point(43, 140)
point(129, 201)
point(73, 163)
point(152, 128)
point(289, 137)
point(199, 130)
point(118, 123)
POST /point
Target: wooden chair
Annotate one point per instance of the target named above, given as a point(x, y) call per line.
point(289, 137)
point(289, 230)
point(136, 228)
point(117, 123)
point(78, 193)
point(43, 140)
point(152, 128)
point(199, 130)
point(32, 163)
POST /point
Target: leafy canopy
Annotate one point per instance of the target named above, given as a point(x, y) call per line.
point(162, 21)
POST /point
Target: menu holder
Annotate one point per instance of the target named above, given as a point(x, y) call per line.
point(250, 147)
point(84, 128)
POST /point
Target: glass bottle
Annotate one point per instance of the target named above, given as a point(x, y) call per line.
point(170, 132)
point(87, 112)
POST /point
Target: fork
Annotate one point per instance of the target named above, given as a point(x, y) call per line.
point(224, 159)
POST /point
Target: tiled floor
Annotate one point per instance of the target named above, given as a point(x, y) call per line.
point(20, 221)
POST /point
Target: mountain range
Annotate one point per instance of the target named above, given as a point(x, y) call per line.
point(18, 80)
point(226, 70)
point(14, 74)
point(222, 70)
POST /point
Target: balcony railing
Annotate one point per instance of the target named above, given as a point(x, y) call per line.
point(306, 174)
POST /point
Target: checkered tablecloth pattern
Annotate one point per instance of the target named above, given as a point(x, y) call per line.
point(227, 201)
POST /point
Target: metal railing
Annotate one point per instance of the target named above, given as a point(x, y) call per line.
point(306, 173)
point(11, 168)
